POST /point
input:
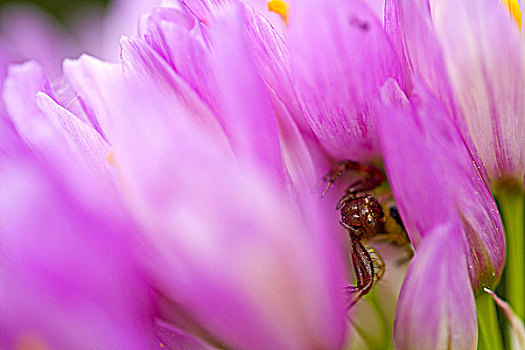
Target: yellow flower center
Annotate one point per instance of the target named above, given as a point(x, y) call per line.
point(514, 9)
point(279, 7)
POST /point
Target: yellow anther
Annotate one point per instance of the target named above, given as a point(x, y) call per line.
point(279, 7)
point(514, 9)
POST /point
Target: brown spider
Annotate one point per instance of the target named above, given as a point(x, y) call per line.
point(364, 219)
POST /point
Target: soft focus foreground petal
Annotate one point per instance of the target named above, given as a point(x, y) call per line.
point(19, 95)
point(174, 42)
point(69, 279)
point(426, 135)
point(181, 41)
point(246, 109)
point(516, 324)
point(28, 33)
point(84, 141)
point(436, 308)
point(177, 38)
point(484, 54)
point(340, 58)
point(51, 131)
point(231, 249)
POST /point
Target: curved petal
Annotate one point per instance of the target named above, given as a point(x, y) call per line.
point(61, 288)
point(426, 202)
point(246, 109)
point(50, 130)
point(475, 49)
point(485, 57)
point(176, 37)
point(436, 308)
point(340, 58)
point(249, 265)
point(468, 188)
point(450, 180)
point(409, 24)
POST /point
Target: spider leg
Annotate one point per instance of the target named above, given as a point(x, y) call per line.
point(347, 165)
point(363, 269)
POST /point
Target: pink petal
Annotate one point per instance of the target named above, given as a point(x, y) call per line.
point(425, 203)
point(436, 308)
point(341, 56)
point(246, 108)
point(230, 247)
point(50, 130)
point(85, 143)
point(450, 180)
point(484, 51)
point(61, 288)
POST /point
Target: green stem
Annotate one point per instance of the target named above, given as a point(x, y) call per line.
point(490, 336)
point(511, 207)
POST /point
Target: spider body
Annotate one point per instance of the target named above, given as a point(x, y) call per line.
point(363, 217)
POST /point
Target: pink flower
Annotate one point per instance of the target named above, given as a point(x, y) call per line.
point(238, 249)
point(476, 49)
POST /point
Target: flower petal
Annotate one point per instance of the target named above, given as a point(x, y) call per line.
point(491, 59)
point(483, 54)
point(246, 109)
point(84, 141)
point(432, 139)
point(60, 287)
point(436, 308)
point(340, 57)
point(51, 130)
point(172, 338)
point(230, 247)
point(425, 203)
point(176, 37)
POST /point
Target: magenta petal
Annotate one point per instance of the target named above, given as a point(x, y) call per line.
point(246, 109)
point(19, 96)
point(485, 59)
point(436, 308)
point(425, 203)
point(468, 187)
point(230, 247)
point(426, 135)
point(61, 289)
point(409, 24)
point(85, 143)
point(178, 40)
point(340, 56)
